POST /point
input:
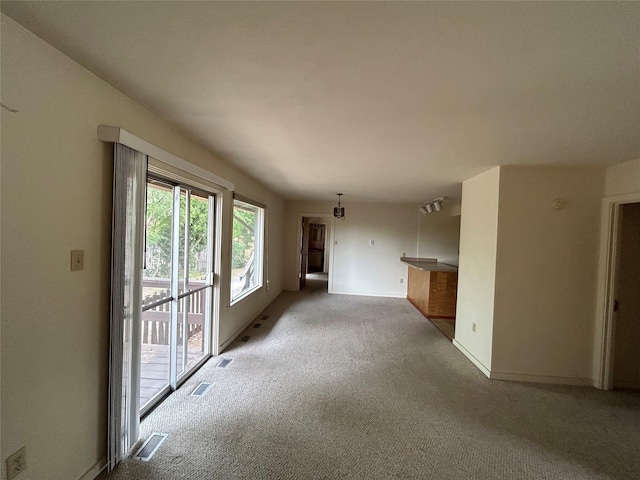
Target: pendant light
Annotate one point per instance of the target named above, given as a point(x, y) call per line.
point(338, 211)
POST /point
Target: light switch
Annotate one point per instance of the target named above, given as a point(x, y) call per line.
point(77, 260)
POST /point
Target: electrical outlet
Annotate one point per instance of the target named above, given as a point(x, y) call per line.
point(473, 327)
point(16, 463)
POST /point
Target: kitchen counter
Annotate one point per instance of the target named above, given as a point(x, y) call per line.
point(428, 264)
point(432, 287)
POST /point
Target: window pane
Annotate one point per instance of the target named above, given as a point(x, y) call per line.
point(182, 280)
point(198, 236)
point(154, 365)
point(246, 249)
point(157, 274)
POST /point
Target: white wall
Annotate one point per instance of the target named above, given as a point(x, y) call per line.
point(361, 268)
point(546, 273)
point(623, 178)
point(477, 270)
point(56, 196)
point(439, 235)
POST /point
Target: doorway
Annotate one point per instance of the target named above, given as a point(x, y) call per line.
point(317, 236)
point(626, 347)
point(315, 242)
point(619, 286)
point(177, 287)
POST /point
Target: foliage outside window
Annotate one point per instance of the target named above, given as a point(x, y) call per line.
point(158, 233)
point(246, 249)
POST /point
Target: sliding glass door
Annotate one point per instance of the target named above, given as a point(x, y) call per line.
point(177, 287)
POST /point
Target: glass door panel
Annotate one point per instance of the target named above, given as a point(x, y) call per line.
point(197, 321)
point(177, 287)
point(198, 240)
point(156, 294)
point(155, 353)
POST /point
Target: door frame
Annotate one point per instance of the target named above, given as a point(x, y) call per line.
point(607, 273)
point(329, 243)
point(212, 305)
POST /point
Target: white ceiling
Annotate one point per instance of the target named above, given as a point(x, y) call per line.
point(385, 101)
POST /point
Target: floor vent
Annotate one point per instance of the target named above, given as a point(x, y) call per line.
point(150, 447)
point(224, 363)
point(245, 338)
point(257, 325)
point(264, 317)
point(201, 390)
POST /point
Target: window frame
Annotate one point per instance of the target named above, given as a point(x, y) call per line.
point(259, 247)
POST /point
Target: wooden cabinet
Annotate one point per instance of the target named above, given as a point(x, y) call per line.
point(433, 292)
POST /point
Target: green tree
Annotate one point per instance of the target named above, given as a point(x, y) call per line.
point(158, 231)
point(244, 222)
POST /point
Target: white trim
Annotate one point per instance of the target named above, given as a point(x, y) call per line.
point(607, 266)
point(369, 294)
point(551, 379)
point(94, 471)
point(473, 359)
point(119, 135)
point(259, 248)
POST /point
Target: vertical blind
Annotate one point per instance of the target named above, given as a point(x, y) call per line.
point(129, 188)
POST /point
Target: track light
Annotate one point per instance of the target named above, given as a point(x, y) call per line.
point(434, 205)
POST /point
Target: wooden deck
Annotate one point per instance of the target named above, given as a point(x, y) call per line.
point(154, 369)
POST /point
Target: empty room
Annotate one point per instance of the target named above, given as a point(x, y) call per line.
point(319, 240)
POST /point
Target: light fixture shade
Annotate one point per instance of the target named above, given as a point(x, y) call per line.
point(423, 210)
point(428, 207)
point(437, 205)
point(338, 211)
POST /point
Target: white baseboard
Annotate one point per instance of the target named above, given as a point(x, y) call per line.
point(525, 377)
point(473, 359)
point(234, 335)
point(96, 470)
point(366, 294)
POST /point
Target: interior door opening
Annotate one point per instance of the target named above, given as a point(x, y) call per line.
point(626, 315)
point(315, 252)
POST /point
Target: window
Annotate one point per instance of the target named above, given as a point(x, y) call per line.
point(246, 249)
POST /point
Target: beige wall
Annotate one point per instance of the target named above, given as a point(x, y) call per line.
point(477, 271)
point(361, 268)
point(546, 273)
point(56, 196)
point(528, 272)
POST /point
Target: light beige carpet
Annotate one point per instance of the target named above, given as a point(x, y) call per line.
point(336, 386)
